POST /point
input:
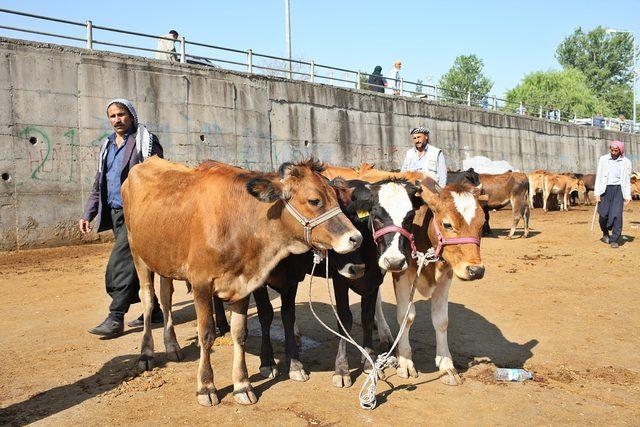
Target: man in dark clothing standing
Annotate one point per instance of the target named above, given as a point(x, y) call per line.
point(129, 145)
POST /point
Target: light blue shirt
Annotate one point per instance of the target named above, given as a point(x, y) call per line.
point(615, 171)
point(413, 162)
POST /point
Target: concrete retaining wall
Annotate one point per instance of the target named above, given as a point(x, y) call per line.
point(52, 121)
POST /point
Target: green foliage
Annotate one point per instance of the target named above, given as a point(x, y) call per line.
point(364, 80)
point(566, 90)
point(465, 76)
point(606, 60)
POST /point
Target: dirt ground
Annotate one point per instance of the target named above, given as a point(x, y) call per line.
point(559, 303)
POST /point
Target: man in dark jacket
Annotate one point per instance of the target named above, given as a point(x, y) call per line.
point(376, 82)
point(129, 145)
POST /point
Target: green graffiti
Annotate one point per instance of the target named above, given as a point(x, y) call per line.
point(71, 134)
point(33, 129)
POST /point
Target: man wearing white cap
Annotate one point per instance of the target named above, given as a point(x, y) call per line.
point(424, 157)
point(130, 143)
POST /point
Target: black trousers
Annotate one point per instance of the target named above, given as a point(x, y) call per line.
point(121, 278)
point(610, 211)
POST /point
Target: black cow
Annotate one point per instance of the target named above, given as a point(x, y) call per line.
point(378, 205)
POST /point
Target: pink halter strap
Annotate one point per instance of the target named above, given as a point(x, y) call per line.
point(395, 229)
point(442, 242)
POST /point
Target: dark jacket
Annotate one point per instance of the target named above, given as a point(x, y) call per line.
point(378, 81)
point(98, 196)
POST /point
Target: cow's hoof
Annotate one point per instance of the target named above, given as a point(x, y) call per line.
point(245, 396)
point(406, 368)
point(269, 372)
point(146, 363)
point(451, 377)
point(208, 398)
point(341, 381)
point(298, 375)
point(174, 355)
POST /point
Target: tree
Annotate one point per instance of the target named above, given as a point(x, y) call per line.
point(364, 80)
point(465, 76)
point(566, 90)
point(606, 60)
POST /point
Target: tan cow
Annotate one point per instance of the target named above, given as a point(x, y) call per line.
point(562, 186)
point(536, 184)
point(635, 187)
point(451, 213)
point(223, 229)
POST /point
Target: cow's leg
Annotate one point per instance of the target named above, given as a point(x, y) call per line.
point(517, 213)
point(220, 316)
point(565, 199)
point(288, 313)
point(545, 197)
point(526, 214)
point(268, 368)
point(440, 319)
point(384, 331)
point(587, 200)
point(242, 390)
point(402, 287)
point(486, 228)
point(202, 298)
point(145, 277)
point(368, 310)
point(171, 345)
point(341, 376)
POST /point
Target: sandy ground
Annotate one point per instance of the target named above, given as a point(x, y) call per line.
point(559, 303)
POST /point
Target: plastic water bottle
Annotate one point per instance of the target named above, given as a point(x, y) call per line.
point(507, 374)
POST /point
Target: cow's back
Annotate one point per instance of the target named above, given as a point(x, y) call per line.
point(169, 202)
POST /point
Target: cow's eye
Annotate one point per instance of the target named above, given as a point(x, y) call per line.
point(314, 202)
point(447, 225)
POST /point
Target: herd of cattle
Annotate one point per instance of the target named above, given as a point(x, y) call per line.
point(229, 232)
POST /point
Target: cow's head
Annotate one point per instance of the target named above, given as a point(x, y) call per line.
point(635, 187)
point(383, 204)
point(311, 195)
point(458, 214)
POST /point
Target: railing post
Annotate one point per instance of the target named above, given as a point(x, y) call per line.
point(495, 103)
point(358, 85)
point(183, 58)
point(469, 98)
point(313, 71)
point(249, 61)
point(540, 112)
point(89, 35)
point(435, 93)
point(401, 86)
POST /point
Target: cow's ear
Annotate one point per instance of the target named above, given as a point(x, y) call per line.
point(431, 193)
point(343, 191)
point(287, 170)
point(265, 190)
point(415, 194)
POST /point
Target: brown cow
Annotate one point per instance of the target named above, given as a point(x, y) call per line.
point(453, 213)
point(505, 188)
point(366, 172)
point(563, 186)
point(222, 229)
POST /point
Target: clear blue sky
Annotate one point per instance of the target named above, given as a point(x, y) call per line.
point(512, 38)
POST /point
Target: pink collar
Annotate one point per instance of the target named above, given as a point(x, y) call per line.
point(395, 229)
point(442, 242)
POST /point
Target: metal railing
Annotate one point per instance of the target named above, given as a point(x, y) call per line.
point(248, 61)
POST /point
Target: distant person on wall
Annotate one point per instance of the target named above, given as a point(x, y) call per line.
point(613, 191)
point(167, 48)
point(598, 121)
point(424, 157)
point(622, 125)
point(522, 110)
point(393, 79)
point(128, 145)
point(376, 82)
